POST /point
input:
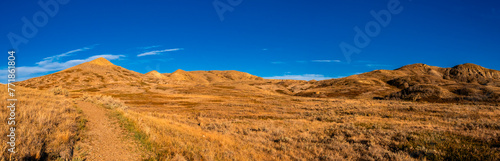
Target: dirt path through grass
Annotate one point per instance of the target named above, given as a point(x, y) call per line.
point(104, 138)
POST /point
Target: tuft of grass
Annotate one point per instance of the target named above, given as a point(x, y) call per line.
point(105, 101)
point(59, 91)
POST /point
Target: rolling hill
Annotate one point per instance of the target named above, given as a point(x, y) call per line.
point(93, 74)
point(415, 82)
point(102, 75)
point(466, 82)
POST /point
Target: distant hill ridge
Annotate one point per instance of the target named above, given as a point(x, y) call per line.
point(100, 71)
point(415, 82)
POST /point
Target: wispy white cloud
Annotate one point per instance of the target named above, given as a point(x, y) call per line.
point(68, 53)
point(157, 52)
point(149, 47)
point(326, 61)
point(377, 65)
point(301, 77)
point(277, 62)
point(364, 61)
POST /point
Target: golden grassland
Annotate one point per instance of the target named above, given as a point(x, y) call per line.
point(229, 115)
point(47, 125)
point(235, 122)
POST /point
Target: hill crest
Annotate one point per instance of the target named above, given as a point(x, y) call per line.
point(155, 73)
point(100, 61)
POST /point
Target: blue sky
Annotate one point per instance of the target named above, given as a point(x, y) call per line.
point(294, 39)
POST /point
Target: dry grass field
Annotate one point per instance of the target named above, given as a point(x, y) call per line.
point(47, 125)
point(419, 112)
point(227, 122)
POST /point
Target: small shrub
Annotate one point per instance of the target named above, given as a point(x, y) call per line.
point(105, 101)
point(420, 92)
point(59, 91)
point(466, 91)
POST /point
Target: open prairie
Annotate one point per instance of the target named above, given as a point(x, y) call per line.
point(232, 122)
point(403, 114)
point(249, 80)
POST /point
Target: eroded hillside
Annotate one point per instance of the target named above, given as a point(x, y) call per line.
point(467, 82)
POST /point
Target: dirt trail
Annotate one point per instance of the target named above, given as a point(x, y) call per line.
point(105, 139)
